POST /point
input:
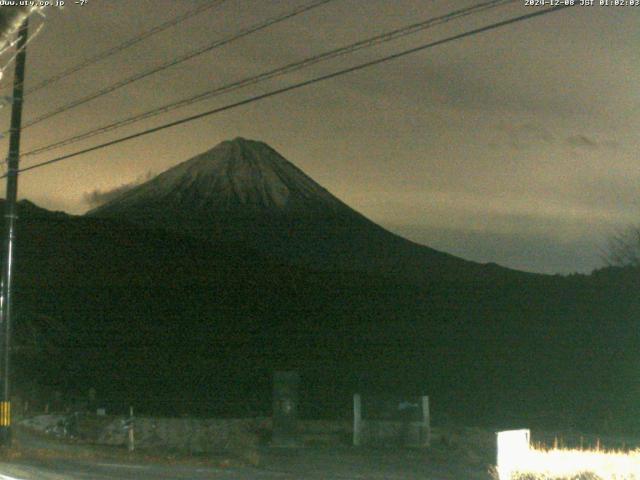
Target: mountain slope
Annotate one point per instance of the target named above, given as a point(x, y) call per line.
point(243, 190)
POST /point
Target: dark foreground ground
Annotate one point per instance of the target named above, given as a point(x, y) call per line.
point(36, 458)
point(456, 453)
point(311, 463)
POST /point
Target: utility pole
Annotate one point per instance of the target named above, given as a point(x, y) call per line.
point(13, 162)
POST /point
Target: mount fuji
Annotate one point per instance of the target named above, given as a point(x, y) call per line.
point(244, 191)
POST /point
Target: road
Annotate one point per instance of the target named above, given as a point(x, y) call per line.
point(317, 463)
point(76, 470)
point(38, 457)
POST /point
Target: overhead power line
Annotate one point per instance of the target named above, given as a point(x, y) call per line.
point(296, 86)
point(362, 44)
point(183, 58)
point(124, 45)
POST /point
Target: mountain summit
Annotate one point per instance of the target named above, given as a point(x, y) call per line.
point(237, 176)
point(245, 191)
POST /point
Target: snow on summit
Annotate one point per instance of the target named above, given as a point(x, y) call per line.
point(235, 174)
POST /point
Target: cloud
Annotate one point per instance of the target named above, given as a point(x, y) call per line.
point(98, 197)
point(583, 141)
point(544, 252)
point(554, 227)
point(521, 136)
point(531, 135)
point(528, 135)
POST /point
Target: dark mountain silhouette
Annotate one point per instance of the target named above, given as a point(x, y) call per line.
point(245, 191)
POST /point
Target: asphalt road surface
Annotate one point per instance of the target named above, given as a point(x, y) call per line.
point(72, 470)
point(305, 463)
point(38, 457)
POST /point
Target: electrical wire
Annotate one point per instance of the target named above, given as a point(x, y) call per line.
point(218, 43)
point(370, 42)
point(296, 86)
point(123, 46)
point(15, 42)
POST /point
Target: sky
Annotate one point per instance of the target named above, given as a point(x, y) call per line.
point(517, 146)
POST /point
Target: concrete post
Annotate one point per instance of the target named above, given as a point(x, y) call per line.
point(131, 444)
point(426, 419)
point(357, 420)
point(285, 409)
